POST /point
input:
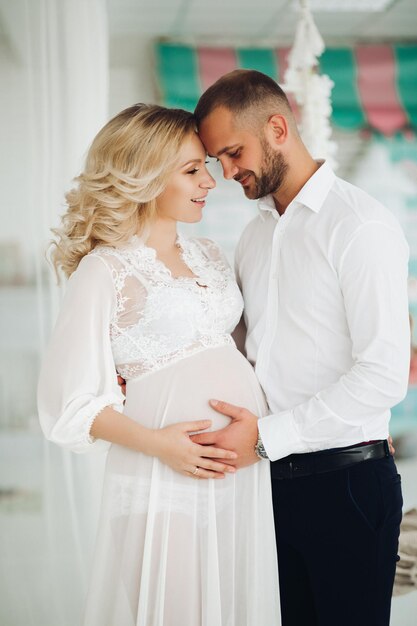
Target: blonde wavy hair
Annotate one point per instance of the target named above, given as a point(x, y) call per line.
point(128, 165)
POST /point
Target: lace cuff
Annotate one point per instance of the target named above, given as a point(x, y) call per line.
point(90, 438)
point(72, 430)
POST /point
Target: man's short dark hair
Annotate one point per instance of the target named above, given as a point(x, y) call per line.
point(251, 96)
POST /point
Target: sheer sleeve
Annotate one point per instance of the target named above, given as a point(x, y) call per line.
point(78, 377)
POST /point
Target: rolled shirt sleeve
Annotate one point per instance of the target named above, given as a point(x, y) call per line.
point(78, 377)
point(372, 273)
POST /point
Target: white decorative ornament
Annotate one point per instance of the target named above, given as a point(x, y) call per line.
point(312, 91)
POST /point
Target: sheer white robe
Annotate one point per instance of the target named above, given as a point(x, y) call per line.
point(170, 549)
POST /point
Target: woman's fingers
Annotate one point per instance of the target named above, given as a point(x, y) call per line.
point(216, 453)
point(206, 459)
point(203, 473)
point(177, 449)
point(214, 466)
point(189, 427)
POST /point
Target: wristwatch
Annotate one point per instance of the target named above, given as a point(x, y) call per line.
point(259, 448)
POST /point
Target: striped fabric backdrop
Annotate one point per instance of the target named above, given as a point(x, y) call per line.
point(375, 85)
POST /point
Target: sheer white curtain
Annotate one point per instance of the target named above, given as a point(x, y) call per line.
point(54, 71)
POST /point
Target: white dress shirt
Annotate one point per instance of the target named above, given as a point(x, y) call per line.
point(326, 310)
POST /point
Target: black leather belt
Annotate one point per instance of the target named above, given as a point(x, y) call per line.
point(298, 465)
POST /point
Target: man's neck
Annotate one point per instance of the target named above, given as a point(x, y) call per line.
point(296, 178)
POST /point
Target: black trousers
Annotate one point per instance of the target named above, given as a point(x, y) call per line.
point(337, 541)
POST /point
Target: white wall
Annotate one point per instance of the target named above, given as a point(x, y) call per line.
point(132, 74)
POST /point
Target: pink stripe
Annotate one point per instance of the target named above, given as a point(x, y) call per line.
point(213, 63)
point(376, 84)
point(282, 58)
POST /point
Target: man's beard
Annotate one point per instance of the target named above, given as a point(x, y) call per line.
point(272, 174)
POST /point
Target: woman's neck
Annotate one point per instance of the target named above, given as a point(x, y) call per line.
point(162, 235)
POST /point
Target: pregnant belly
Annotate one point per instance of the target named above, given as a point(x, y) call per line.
point(181, 391)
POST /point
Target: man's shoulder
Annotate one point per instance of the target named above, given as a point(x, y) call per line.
point(358, 205)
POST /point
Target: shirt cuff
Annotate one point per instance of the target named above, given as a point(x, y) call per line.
point(279, 435)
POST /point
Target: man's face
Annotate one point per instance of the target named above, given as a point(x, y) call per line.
point(247, 158)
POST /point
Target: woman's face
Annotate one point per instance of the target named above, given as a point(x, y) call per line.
point(184, 197)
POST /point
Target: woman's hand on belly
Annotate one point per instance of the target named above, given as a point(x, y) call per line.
point(174, 447)
point(240, 435)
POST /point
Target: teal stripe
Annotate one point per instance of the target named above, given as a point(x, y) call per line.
point(340, 65)
point(177, 68)
point(406, 67)
point(259, 59)
point(179, 81)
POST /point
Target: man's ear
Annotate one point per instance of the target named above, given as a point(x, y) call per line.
point(277, 129)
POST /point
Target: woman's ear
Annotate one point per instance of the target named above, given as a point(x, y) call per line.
point(277, 129)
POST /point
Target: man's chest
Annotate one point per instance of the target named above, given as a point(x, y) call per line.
point(289, 275)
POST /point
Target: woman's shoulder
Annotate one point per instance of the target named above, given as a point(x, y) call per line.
point(128, 259)
point(102, 252)
point(210, 247)
point(212, 252)
point(100, 266)
point(91, 281)
point(113, 257)
point(91, 267)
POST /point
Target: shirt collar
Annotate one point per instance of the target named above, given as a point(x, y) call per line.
point(312, 195)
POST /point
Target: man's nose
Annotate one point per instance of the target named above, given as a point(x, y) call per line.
point(229, 170)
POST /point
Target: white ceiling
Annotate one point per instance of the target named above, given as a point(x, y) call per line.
point(258, 22)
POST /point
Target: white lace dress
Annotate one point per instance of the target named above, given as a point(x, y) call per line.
point(171, 550)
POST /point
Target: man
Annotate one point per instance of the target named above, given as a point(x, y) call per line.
point(323, 272)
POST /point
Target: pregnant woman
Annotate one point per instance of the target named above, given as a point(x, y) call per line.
point(183, 539)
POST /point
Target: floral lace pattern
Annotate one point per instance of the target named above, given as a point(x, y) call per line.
point(158, 318)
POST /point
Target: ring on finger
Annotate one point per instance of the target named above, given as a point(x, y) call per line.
point(195, 472)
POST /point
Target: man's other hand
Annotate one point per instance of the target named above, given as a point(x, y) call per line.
point(391, 445)
point(122, 384)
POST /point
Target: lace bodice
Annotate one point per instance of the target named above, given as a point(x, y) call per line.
point(158, 318)
point(123, 308)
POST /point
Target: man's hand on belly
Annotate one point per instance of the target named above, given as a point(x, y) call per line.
point(239, 436)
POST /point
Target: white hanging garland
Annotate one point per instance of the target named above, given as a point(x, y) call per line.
point(311, 90)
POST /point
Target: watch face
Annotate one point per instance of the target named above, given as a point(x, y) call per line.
point(260, 450)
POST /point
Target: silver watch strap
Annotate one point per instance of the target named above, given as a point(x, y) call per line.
point(260, 449)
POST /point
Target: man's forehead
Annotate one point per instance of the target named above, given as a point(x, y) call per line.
point(217, 131)
point(215, 148)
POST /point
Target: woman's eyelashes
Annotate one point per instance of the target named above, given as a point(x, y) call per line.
point(196, 169)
